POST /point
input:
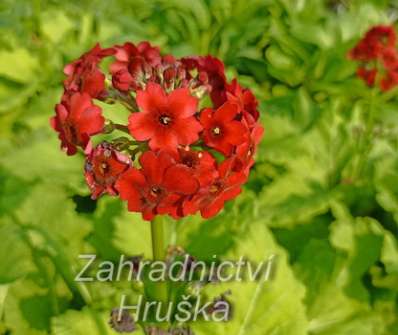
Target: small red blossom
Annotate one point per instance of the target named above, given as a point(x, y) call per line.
point(369, 76)
point(245, 99)
point(157, 185)
point(221, 130)
point(76, 119)
point(165, 120)
point(390, 79)
point(373, 43)
point(104, 165)
point(84, 75)
point(211, 72)
point(202, 163)
point(210, 200)
point(378, 56)
point(245, 152)
point(134, 65)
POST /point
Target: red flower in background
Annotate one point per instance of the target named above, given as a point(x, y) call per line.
point(378, 56)
point(104, 165)
point(369, 76)
point(221, 130)
point(84, 75)
point(165, 162)
point(165, 120)
point(76, 120)
point(373, 43)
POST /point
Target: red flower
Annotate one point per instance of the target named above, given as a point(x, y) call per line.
point(84, 74)
point(245, 151)
point(390, 58)
point(375, 40)
point(134, 65)
point(377, 51)
point(157, 186)
point(103, 166)
point(177, 172)
point(390, 79)
point(212, 72)
point(369, 76)
point(202, 163)
point(76, 119)
point(221, 129)
point(245, 99)
point(210, 200)
point(165, 120)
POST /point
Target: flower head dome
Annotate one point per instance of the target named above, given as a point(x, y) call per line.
point(175, 157)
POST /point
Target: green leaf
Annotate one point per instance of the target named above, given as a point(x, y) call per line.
point(103, 232)
point(85, 322)
point(3, 295)
point(15, 255)
point(387, 185)
point(205, 238)
point(132, 235)
point(27, 309)
point(13, 191)
point(41, 158)
point(57, 217)
point(19, 65)
point(55, 24)
point(273, 307)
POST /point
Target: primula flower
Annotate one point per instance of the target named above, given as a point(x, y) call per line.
point(167, 161)
point(245, 151)
point(76, 119)
point(210, 200)
point(211, 72)
point(84, 74)
point(221, 130)
point(104, 165)
point(390, 79)
point(202, 163)
point(378, 56)
point(159, 183)
point(373, 43)
point(245, 99)
point(134, 65)
point(165, 120)
point(369, 76)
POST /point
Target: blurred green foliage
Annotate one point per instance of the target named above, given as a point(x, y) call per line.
point(323, 194)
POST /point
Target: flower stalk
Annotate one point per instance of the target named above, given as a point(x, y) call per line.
point(158, 250)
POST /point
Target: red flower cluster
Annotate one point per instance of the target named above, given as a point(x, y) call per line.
point(178, 158)
point(378, 56)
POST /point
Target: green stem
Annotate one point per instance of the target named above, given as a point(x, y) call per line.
point(366, 143)
point(62, 264)
point(158, 249)
point(121, 127)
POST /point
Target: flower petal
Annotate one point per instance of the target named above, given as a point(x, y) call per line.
point(226, 112)
point(187, 130)
point(178, 178)
point(154, 165)
point(128, 186)
point(152, 98)
point(164, 139)
point(181, 103)
point(141, 126)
